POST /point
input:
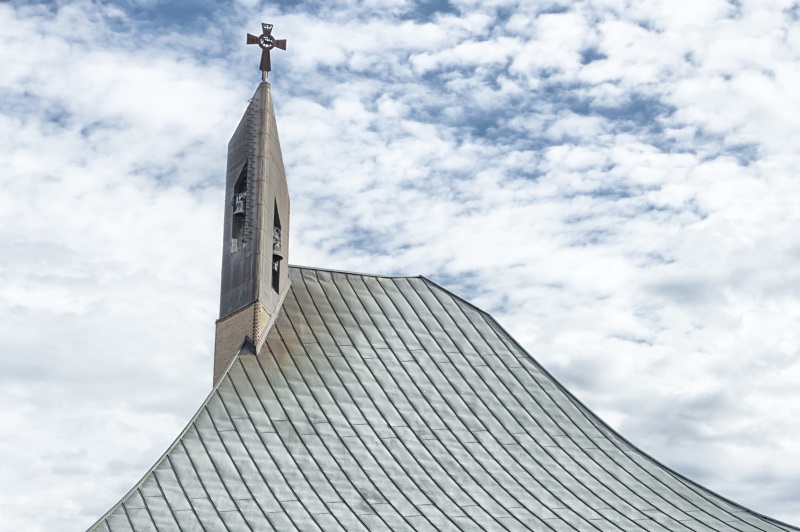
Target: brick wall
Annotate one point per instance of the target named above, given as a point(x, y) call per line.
point(232, 330)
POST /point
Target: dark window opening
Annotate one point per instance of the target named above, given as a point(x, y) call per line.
point(277, 251)
point(239, 207)
point(276, 274)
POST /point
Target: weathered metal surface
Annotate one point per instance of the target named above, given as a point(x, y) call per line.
point(390, 404)
point(254, 155)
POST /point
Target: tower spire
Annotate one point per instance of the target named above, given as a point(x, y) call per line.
point(256, 231)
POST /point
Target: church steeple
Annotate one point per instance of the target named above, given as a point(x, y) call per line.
point(256, 231)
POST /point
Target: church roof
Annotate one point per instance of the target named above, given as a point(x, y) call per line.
point(390, 403)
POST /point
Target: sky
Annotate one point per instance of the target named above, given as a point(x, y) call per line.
point(615, 181)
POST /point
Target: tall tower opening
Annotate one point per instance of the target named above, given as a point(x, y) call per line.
point(239, 211)
point(277, 251)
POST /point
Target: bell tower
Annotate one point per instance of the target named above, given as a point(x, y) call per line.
point(255, 241)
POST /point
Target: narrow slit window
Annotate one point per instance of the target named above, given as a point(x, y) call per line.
point(239, 208)
point(277, 251)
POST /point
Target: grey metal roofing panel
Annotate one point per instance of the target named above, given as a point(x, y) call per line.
point(389, 403)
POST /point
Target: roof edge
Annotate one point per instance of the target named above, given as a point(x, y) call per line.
point(246, 345)
point(694, 484)
point(579, 403)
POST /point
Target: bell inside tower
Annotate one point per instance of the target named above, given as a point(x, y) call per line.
point(239, 204)
point(277, 251)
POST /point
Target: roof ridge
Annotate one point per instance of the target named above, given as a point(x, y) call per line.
point(361, 274)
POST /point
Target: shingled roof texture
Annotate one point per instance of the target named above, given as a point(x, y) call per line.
point(390, 404)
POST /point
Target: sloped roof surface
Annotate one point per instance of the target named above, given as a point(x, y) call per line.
point(388, 403)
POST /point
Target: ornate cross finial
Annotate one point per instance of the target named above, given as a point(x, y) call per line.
point(267, 42)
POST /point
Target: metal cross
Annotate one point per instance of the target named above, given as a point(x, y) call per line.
point(267, 42)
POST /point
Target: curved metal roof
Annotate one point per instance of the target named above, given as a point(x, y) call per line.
point(389, 403)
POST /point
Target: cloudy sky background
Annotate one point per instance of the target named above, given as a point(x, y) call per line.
point(616, 181)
